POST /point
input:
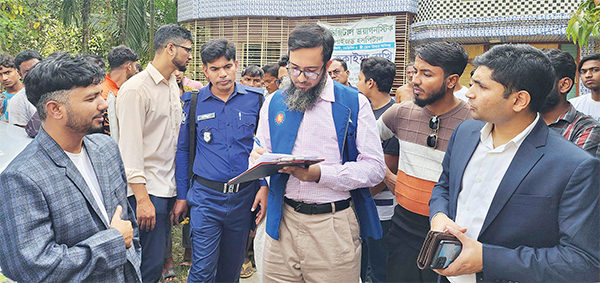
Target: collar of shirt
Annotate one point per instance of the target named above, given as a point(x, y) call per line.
point(206, 93)
point(327, 92)
point(156, 76)
point(568, 116)
point(110, 81)
point(487, 141)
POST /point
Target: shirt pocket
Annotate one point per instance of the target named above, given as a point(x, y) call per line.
point(207, 129)
point(246, 124)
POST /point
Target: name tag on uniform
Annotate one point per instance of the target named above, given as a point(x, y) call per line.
point(206, 116)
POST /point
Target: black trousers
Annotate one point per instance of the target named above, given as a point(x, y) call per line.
point(402, 256)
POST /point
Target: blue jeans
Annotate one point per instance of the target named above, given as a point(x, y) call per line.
point(154, 242)
point(220, 225)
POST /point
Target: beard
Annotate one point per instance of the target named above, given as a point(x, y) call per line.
point(551, 100)
point(181, 65)
point(78, 124)
point(301, 101)
point(435, 96)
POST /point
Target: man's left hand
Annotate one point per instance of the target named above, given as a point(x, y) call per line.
point(470, 259)
point(310, 174)
point(261, 199)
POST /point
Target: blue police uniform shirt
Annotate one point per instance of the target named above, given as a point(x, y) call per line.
point(224, 131)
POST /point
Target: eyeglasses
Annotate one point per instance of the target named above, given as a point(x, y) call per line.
point(187, 49)
point(307, 74)
point(334, 72)
point(434, 124)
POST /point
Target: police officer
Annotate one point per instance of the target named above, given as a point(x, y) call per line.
point(221, 216)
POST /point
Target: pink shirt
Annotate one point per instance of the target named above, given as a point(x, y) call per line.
point(192, 83)
point(316, 137)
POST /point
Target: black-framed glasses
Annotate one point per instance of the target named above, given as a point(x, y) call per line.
point(187, 49)
point(307, 74)
point(434, 125)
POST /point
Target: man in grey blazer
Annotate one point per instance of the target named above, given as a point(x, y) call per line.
point(64, 215)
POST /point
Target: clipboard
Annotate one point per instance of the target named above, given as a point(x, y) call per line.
point(265, 167)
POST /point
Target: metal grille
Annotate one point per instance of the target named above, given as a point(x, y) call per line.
point(262, 40)
point(433, 10)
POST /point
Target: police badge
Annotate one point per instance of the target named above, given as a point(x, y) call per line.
point(207, 135)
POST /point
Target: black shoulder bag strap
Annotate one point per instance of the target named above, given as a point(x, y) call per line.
point(261, 98)
point(192, 133)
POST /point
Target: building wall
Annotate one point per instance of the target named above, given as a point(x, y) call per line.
point(435, 10)
point(262, 40)
point(492, 21)
point(477, 49)
point(205, 9)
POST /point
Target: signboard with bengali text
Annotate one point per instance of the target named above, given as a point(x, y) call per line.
point(361, 39)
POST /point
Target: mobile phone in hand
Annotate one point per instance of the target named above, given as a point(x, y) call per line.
point(446, 253)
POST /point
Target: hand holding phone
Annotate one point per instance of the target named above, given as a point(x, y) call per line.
point(447, 251)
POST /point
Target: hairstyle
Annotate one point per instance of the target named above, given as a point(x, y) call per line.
point(7, 60)
point(595, 56)
point(284, 60)
point(95, 59)
point(26, 55)
point(53, 78)
point(217, 48)
point(449, 56)
point(253, 71)
point(520, 67)
point(171, 33)
point(271, 69)
point(311, 36)
point(563, 63)
point(381, 70)
point(344, 65)
point(120, 55)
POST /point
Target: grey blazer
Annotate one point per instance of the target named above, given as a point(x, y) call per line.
point(51, 229)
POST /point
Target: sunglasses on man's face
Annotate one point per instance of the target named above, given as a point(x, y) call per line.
point(434, 125)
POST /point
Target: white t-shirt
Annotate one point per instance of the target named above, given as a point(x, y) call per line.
point(461, 93)
point(84, 165)
point(20, 109)
point(586, 105)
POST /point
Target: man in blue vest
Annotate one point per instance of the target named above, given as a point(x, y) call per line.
point(220, 215)
point(311, 221)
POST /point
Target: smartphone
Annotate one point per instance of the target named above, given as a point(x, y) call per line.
point(446, 253)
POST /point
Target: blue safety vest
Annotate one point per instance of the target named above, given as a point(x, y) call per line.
point(345, 117)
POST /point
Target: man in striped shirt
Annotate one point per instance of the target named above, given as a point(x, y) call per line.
point(423, 127)
point(560, 115)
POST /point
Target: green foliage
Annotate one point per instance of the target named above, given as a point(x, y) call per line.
point(50, 26)
point(22, 23)
point(585, 21)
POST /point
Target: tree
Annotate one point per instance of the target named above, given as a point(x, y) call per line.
point(78, 12)
point(34, 24)
point(585, 21)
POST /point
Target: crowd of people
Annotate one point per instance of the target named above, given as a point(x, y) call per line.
point(508, 165)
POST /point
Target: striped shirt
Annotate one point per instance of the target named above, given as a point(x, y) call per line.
point(419, 166)
point(581, 129)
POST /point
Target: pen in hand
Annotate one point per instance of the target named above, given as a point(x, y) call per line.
point(257, 141)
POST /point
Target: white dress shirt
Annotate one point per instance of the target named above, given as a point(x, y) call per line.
point(481, 179)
